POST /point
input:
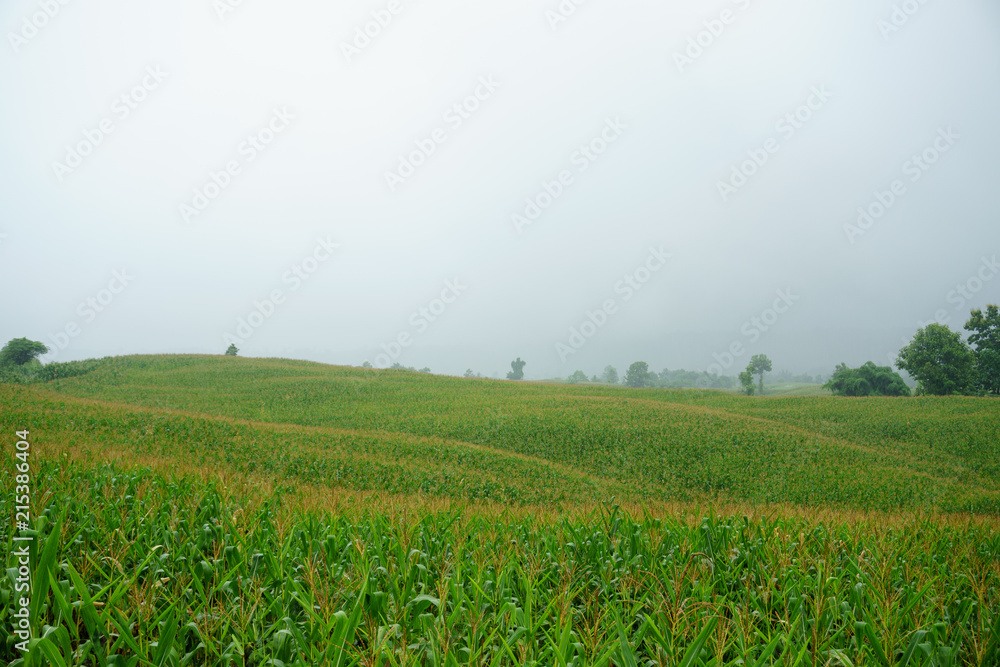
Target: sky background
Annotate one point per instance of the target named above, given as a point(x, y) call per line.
point(889, 91)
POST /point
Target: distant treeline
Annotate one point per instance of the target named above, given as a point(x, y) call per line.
point(682, 379)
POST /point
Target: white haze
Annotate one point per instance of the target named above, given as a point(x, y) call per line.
point(323, 177)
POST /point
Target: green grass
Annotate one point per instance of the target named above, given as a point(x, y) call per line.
point(226, 511)
point(639, 444)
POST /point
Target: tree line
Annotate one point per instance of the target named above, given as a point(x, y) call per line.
point(943, 363)
point(940, 360)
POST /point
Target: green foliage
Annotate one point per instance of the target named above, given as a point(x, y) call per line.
point(868, 380)
point(232, 350)
point(69, 369)
point(682, 379)
point(988, 370)
point(577, 377)
point(638, 375)
point(236, 555)
point(985, 338)
point(34, 372)
point(746, 379)
point(759, 364)
point(940, 361)
point(401, 432)
point(11, 374)
point(134, 567)
point(610, 375)
point(518, 369)
point(20, 351)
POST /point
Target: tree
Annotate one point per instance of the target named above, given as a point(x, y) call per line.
point(20, 351)
point(985, 337)
point(367, 364)
point(610, 375)
point(939, 360)
point(759, 364)
point(232, 350)
point(638, 375)
point(518, 369)
point(578, 376)
point(425, 369)
point(469, 373)
point(868, 380)
point(746, 379)
point(988, 370)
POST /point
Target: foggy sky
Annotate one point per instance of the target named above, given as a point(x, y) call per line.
point(301, 120)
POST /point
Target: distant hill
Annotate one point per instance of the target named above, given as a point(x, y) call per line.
point(520, 442)
point(795, 389)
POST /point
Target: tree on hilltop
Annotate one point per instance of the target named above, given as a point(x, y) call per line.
point(517, 372)
point(985, 336)
point(939, 360)
point(638, 375)
point(759, 364)
point(20, 351)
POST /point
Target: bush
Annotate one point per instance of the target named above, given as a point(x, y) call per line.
point(868, 380)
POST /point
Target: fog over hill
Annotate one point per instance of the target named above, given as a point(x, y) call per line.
point(456, 184)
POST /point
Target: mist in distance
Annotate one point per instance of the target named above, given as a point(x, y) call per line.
point(454, 185)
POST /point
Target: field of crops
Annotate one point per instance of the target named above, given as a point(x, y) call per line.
point(225, 511)
point(409, 429)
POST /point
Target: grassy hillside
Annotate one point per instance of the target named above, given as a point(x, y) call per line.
point(530, 443)
point(224, 511)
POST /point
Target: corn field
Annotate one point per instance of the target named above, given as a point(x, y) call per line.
point(205, 511)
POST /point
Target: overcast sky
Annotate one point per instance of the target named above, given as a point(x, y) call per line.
point(694, 165)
